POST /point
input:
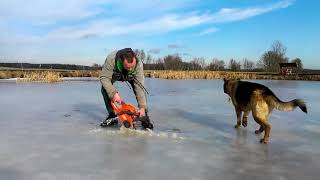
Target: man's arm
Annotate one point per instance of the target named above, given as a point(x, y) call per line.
point(138, 90)
point(106, 75)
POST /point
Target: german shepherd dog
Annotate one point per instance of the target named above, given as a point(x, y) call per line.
point(248, 96)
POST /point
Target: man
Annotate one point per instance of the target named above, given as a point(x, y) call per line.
point(123, 65)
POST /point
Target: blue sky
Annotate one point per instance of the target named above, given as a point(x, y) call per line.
point(85, 31)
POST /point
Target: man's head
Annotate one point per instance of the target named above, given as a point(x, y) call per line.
point(129, 60)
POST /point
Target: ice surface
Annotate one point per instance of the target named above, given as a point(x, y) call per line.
point(51, 131)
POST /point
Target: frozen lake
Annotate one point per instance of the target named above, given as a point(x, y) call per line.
point(51, 131)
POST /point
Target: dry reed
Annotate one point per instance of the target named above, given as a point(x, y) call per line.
point(226, 74)
point(199, 74)
point(56, 75)
point(41, 76)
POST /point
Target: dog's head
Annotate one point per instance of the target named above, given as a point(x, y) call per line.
point(228, 85)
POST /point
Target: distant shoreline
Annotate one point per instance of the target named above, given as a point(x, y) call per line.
point(165, 74)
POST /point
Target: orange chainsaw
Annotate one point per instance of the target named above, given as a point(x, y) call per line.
point(128, 115)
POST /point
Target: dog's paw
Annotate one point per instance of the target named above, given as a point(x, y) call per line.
point(244, 123)
point(264, 141)
point(237, 126)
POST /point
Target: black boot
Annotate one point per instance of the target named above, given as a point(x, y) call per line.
point(110, 121)
point(146, 123)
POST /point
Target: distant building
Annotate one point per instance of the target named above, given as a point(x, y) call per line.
point(288, 69)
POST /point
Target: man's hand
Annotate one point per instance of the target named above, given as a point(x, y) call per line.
point(117, 98)
point(142, 112)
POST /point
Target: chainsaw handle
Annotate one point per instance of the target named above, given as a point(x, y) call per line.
point(115, 106)
point(122, 102)
point(128, 112)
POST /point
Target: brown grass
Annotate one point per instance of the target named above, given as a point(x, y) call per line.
point(225, 74)
point(56, 75)
point(4, 74)
point(32, 74)
point(199, 74)
point(41, 76)
point(81, 73)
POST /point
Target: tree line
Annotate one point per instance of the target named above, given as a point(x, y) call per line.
point(268, 62)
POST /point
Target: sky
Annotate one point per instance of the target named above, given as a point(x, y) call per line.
point(85, 31)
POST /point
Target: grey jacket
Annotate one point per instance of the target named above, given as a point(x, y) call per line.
point(106, 80)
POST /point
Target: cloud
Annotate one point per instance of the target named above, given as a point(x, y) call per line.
point(173, 46)
point(208, 31)
point(40, 12)
point(115, 27)
point(154, 51)
point(165, 23)
point(47, 12)
point(236, 14)
point(103, 27)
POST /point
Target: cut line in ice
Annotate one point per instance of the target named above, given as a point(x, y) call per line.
point(137, 133)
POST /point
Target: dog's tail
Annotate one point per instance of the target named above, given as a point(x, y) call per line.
point(287, 106)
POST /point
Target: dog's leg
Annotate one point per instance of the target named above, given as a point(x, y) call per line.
point(238, 112)
point(260, 130)
point(245, 118)
point(264, 125)
point(267, 128)
point(259, 121)
point(260, 114)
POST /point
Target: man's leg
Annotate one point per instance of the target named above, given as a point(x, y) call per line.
point(107, 101)
point(109, 121)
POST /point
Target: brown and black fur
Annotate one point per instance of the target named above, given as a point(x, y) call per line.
point(248, 96)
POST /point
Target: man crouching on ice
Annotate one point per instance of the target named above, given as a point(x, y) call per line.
point(123, 65)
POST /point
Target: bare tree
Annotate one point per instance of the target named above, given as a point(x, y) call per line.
point(247, 64)
point(173, 62)
point(216, 64)
point(270, 60)
point(197, 64)
point(278, 48)
point(94, 66)
point(234, 65)
point(194, 64)
point(299, 63)
point(140, 54)
point(149, 59)
point(202, 62)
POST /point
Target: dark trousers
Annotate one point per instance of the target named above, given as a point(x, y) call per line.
point(107, 101)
